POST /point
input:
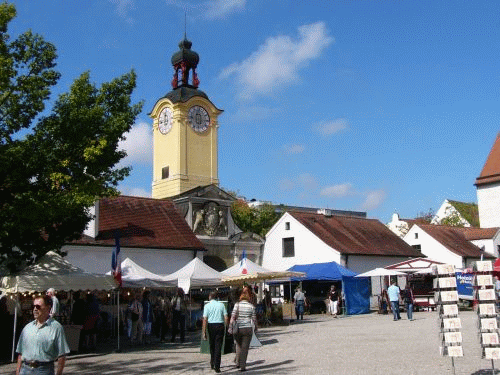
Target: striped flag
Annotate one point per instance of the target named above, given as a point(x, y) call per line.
point(116, 263)
point(243, 263)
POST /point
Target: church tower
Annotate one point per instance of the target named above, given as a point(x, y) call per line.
point(185, 130)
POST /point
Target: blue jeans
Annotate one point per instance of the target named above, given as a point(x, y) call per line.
point(299, 309)
point(48, 369)
point(395, 310)
point(409, 310)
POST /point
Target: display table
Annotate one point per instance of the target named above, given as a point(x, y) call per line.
point(72, 336)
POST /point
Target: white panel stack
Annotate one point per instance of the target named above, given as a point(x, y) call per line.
point(446, 297)
point(486, 310)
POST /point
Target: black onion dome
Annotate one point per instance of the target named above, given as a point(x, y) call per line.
point(185, 54)
point(183, 94)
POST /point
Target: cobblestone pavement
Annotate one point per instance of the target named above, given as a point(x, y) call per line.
point(365, 344)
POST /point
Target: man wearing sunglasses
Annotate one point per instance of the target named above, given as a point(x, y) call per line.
point(42, 342)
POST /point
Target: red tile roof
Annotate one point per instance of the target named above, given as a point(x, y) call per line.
point(473, 233)
point(455, 240)
point(142, 222)
point(491, 170)
point(354, 235)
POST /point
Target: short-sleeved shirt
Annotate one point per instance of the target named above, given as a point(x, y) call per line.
point(214, 311)
point(299, 296)
point(393, 292)
point(43, 344)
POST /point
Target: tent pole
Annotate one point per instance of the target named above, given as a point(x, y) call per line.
point(14, 330)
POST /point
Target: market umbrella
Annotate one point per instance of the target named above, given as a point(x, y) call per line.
point(380, 272)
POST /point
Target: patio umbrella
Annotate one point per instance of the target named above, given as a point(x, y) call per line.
point(380, 272)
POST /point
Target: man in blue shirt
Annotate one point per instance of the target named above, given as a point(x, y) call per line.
point(215, 317)
point(394, 296)
point(42, 342)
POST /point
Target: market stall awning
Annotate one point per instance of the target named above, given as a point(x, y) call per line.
point(52, 271)
point(261, 276)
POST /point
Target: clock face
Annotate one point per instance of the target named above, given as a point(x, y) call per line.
point(198, 118)
point(165, 121)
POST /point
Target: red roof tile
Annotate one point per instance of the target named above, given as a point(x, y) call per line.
point(142, 222)
point(473, 233)
point(354, 235)
point(491, 170)
point(455, 240)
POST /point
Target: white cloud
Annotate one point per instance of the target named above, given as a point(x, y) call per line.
point(286, 185)
point(338, 191)
point(277, 62)
point(138, 144)
point(307, 181)
point(135, 192)
point(218, 9)
point(294, 149)
point(123, 7)
point(373, 200)
point(328, 128)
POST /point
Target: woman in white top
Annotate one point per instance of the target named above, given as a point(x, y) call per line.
point(244, 314)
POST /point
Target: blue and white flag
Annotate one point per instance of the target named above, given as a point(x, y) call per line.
point(116, 263)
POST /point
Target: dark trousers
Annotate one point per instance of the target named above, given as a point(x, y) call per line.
point(243, 339)
point(178, 323)
point(216, 335)
point(162, 325)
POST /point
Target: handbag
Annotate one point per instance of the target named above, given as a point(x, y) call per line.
point(233, 325)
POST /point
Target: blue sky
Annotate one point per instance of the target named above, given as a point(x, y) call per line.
point(379, 106)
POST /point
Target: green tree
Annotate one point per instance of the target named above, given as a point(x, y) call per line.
point(252, 219)
point(53, 167)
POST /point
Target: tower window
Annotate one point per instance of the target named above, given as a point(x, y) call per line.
point(164, 173)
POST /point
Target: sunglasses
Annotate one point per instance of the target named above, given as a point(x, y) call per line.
point(37, 307)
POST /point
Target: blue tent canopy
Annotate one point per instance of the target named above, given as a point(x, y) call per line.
point(356, 290)
point(322, 271)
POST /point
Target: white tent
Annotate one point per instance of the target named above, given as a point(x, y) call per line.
point(194, 274)
point(52, 271)
point(135, 276)
point(244, 266)
point(246, 271)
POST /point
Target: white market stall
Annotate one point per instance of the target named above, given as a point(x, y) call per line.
point(52, 271)
point(194, 274)
point(135, 276)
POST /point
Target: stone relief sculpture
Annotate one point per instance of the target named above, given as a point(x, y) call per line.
point(210, 220)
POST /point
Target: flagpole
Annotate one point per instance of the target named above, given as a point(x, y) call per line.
point(118, 303)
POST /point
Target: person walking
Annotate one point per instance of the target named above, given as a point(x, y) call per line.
point(408, 300)
point(42, 342)
point(394, 296)
point(333, 296)
point(244, 315)
point(299, 299)
point(215, 319)
point(54, 311)
point(179, 311)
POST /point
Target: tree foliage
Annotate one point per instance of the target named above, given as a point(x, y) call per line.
point(53, 167)
point(252, 219)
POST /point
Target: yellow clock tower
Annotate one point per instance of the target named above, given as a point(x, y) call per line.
point(184, 132)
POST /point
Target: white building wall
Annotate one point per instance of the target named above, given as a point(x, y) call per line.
point(447, 210)
point(487, 245)
point(97, 259)
point(364, 263)
point(308, 247)
point(398, 227)
point(431, 248)
point(488, 201)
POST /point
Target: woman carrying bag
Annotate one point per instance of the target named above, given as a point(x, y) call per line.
point(241, 326)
